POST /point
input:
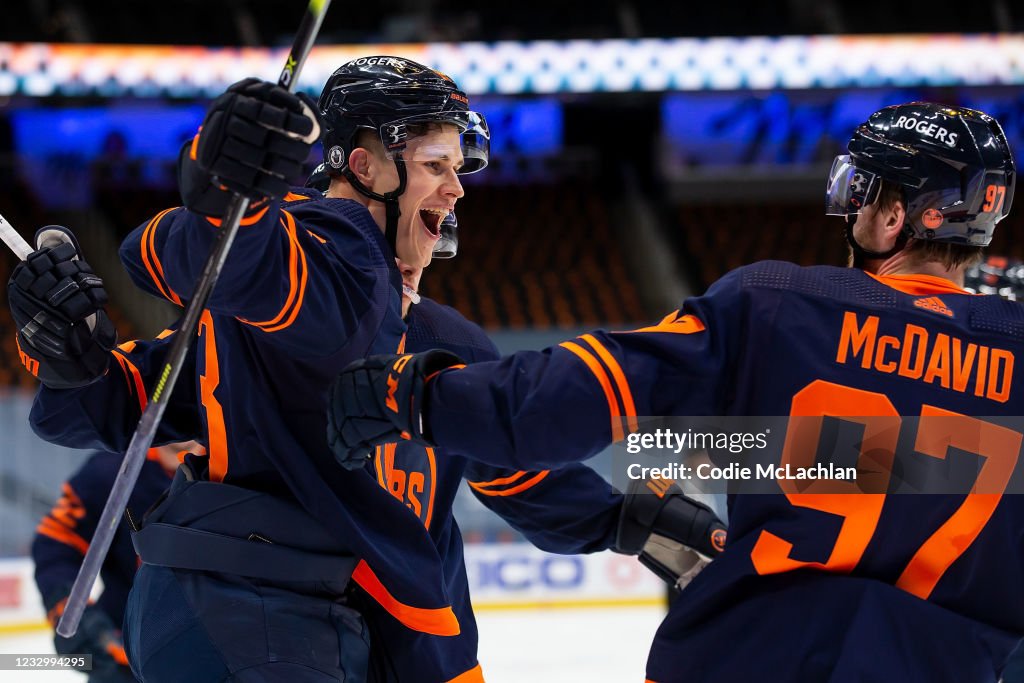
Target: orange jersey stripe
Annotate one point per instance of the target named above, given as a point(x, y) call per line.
point(62, 534)
point(673, 323)
point(133, 376)
point(208, 382)
point(152, 261)
point(503, 480)
point(298, 276)
point(433, 478)
point(457, 366)
point(515, 489)
point(628, 406)
point(474, 675)
point(439, 622)
point(304, 269)
point(251, 219)
point(379, 458)
point(606, 385)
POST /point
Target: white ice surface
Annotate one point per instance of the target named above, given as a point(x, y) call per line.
point(585, 645)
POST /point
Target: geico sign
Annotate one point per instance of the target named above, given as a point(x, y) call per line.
point(524, 572)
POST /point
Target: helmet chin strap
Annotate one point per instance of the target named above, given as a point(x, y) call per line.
point(390, 199)
point(860, 254)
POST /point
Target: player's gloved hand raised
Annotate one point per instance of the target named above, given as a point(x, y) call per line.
point(674, 535)
point(64, 336)
point(254, 138)
point(97, 635)
point(381, 399)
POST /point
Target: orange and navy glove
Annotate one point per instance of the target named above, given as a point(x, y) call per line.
point(254, 140)
point(64, 336)
point(381, 399)
point(674, 535)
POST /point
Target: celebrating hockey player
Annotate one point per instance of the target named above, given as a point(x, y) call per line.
point(238, 385)
point(815, 584)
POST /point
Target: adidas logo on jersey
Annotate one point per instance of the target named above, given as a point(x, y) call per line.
point(934, 304)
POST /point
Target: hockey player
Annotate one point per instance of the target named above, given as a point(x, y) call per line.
point(366, 105)
point(62, 538)
point(254, 589)
point(568, 510)
point(814, 585)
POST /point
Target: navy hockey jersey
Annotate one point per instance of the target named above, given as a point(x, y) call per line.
point(63, 536)
point(568, 510)
point(309, 286)
point(812, 586)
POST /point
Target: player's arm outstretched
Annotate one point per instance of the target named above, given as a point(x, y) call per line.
point(538, 409)
point(104, 414)
point(573, 510)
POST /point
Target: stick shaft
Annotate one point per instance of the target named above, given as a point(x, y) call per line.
point(150, 420)
point(13, 240)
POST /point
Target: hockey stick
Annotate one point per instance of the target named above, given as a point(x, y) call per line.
point(13, 240)
point(146, 429)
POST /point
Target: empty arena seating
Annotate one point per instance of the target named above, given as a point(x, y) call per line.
point(715, 238)
point(536, 256)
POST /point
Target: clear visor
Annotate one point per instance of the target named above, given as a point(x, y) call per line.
point(473, 148)
point(849, 188)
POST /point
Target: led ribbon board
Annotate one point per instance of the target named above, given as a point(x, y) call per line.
point(542, 67)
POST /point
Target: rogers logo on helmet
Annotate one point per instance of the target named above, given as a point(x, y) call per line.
point(382, 61)
point(931, 130)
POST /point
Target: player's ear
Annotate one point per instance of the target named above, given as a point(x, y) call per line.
point(895, 216)
point(361, 163)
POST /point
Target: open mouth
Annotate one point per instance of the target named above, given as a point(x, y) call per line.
point(432, 219)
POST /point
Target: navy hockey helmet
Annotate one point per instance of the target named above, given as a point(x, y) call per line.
point(385, 95)
point(953, 164)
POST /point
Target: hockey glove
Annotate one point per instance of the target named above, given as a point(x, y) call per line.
point(64, 336)
point(255, 137)
point(97, 635)
point(674, 535)
point(380, 400)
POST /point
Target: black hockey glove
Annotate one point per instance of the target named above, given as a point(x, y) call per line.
point(64, 336)
point(97, 635)
point(380, 400)
point(674, 535)
point(255, 137)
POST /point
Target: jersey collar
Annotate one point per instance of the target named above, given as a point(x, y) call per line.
point(919, 284)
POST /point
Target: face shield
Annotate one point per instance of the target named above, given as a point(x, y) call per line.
point(849, 188)
point(473, 140)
